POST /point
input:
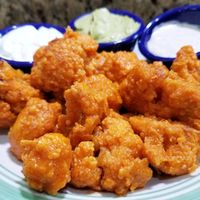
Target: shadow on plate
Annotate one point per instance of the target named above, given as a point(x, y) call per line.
point(3, 136)
point(13, 158)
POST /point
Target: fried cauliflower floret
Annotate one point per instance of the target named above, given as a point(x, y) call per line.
point(46, 162)
point(121, 171)
point(37, 118)
point(187, 65)
point(15, 91)
point(182, 98)
point(59, 64)
point(170, 147)
point(114, 66)
point(87, 102)
point(141, 89)
point(121, 156)
point(85, 171)
point(152, 89)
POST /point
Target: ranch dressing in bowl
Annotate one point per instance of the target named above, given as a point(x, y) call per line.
point(168, 37)
point(21, 43)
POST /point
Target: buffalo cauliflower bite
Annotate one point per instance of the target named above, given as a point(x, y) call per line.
point(15, 91)
point(37, 118)
point(114, 66)
point(152, 89)
point(62, 62)
point(87, 102)
point(121, 156)
point(85, 171)
point(46, 162)
point(181, 97)
point(170, 147)
point(187, 65)
point(141, 89)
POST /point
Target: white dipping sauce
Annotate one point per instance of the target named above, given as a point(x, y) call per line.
point(169, 37)
point(21, 43)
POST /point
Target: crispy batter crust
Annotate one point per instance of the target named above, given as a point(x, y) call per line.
point(121, 156)
point(170, 147)
point(15, 91)
point(46, 162)
point(87, 103)
point(59, 64)
point(37, 118)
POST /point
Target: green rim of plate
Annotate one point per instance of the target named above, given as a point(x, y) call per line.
point(13, 187)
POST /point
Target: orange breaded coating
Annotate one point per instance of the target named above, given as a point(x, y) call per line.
point(141, 89)
point(121, 156)
point(7, 117)
point(85, 171)
point(170, 147)
point(187, 65)
point(115, 66)
point(15, 91)
point(121, 171)
point(62, 62)
point(46, 162)
point(37, 118)
point(87, 102)
point(151, 88)
point(181, 98)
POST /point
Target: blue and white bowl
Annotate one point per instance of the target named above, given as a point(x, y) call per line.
point(188, 14)
point(25, 66)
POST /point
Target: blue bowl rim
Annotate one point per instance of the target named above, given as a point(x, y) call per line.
point(127, 39)
point(156, 21)
point(26, 64)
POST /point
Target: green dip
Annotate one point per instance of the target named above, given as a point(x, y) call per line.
point(104, 26)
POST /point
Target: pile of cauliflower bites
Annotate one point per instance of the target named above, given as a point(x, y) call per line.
point(101, 120)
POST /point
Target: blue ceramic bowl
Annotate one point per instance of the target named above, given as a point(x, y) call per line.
point(123, 44)
point(25, 66)
point(188, 13)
